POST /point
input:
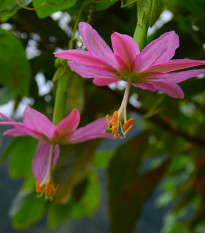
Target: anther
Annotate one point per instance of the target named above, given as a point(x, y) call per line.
point(127, 124)
point(115, 118)
point(39, 189)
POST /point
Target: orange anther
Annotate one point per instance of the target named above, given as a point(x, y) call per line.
point(114, 130)
point(38, 188)
point(128, 124)
point(107, 120)
point(129, 128)
point(48, 190)
point(115, 118)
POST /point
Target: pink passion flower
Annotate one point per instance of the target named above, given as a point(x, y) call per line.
point(150, 69)
point(39, 126)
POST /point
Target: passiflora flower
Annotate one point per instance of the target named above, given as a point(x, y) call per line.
point(39, 126)
point(150, 69)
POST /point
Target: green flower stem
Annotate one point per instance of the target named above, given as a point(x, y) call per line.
point(60, 100)
point(141, 33)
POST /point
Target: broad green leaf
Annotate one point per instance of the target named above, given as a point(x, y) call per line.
point(74, 164)
point(21, 151)
point(26, 209)
point(86, 206)
point(6, 95)
point(128, 189)
point(14, 66)
point(9, 7)
point(103, 4)
point(102, 158)
point(45, 9)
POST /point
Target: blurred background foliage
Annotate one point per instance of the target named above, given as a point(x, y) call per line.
point(152, 182)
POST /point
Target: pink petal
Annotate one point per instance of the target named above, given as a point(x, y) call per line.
point(67, 125)
point(91, 71)
point(5, 117)
point(175, 65)
point(40, 162)
point(145, 86)
point(105, 81)
point(38, 122)
point(176, 77)
point(95, 45)
point(96, 129)
point(83, 57)
point(170, 89)
point(16, 132)
point(125, 47)
point(158, 51)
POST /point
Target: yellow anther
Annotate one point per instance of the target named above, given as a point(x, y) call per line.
point(128, 124)
point(115, 118)
point(107, 120)
point(38, 188)
point(48, 190)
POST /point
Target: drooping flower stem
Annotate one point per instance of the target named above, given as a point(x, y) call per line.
point(123, 107)
point(140, 33)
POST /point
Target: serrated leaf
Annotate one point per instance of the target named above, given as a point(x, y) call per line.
point(45, 9)
point(14, 66)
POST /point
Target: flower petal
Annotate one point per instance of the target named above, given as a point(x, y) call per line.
point(145, 86)
point(38, 122)
point(96, 129)
point(17, 132)
point(95, 45)
point(83, 57)
point(176, 64)
point(125, 47)
point(105, 81)
point(68, 125)
point(176, 77)
point(171, 89)
point(87, 71)
point(40, 161)
point(158, 51)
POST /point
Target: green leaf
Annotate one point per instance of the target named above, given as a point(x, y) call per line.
point(73, 166)
point(86, 206)
point(152, 9)
point(6, 95)
point(14, 66)
point(102, 158)
point(21, 150)
point(45, 9)
point(9, 7)
point(128, 189)
point(103, 4)
point(26, 209)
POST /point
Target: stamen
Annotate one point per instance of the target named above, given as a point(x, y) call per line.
point(39, 189)
point(107, 120)
point(128, 124)
point(115, 118)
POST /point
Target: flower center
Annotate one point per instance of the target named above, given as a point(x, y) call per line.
point(46, 186)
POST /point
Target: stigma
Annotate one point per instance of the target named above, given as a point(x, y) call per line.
point(115, 124)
